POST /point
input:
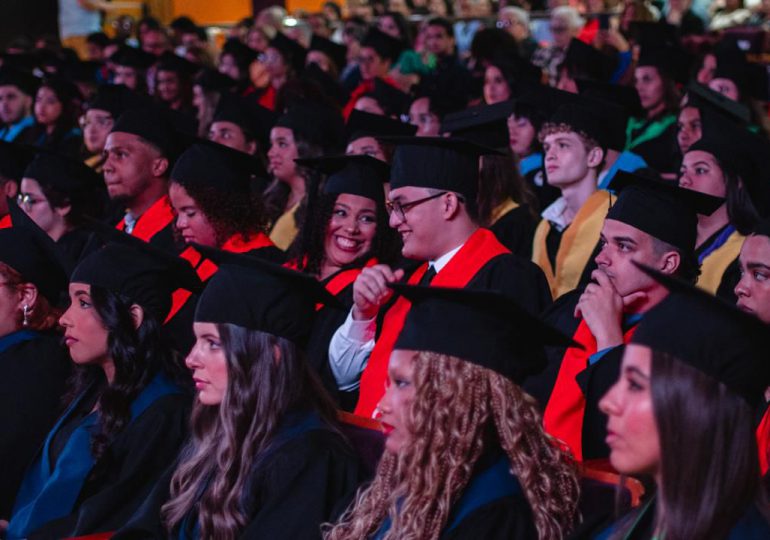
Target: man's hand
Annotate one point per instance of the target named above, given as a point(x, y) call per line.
point(601, 307)
point(371, 291)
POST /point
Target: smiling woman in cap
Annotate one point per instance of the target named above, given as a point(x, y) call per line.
point(466, 455)
point(125, 421)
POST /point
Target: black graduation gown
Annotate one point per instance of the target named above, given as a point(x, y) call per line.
point(294, 488)
point(76, 244)
point(515, 230)
point(662, 152)
point(594, 381)
point(124, 477)
point(508, 518)
point(34, 379)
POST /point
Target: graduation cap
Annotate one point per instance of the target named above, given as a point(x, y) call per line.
point(214, 81)
point(137, 270)
point(327, 84)
point(485, 328)
point(749, 77)
point(217, 167)
point(255, 120)
point(242, 54)
point(671, 61)
point(762, 227)
point(538, 102)
point(82, 71)
point(66, 90)
point(14, 158)
point(703, 97)
point(115, 99)
point(357, 175)
point(621, 95)
point(152, 125)
point(661, 209)
point(709, 334)
point(169, 61)
point(581, 117)
point(255, 294)
point(740, 152)
point(656, 33)
point(337, 53)
point(34, 255)
point(315, 123)
point(133, 58)
point(392, 100)
point(584, 61)
point(516, 69)
point(438, 163)
point(486, 125)
point(388, 47)
point(64, 174)
point(292, 52)
point(26, 82)
point(364, 124)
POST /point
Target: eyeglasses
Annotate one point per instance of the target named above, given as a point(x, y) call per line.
point(26, 200)
point(401, 208)
point(101, 121)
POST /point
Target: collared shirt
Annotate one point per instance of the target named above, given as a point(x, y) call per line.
point(352, 343)
point(130, 222)
point(556, 214)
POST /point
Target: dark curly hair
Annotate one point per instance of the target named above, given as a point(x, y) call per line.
point(308, 247)
point(230, 212)
point(138, 354)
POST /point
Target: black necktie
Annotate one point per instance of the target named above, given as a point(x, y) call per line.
point(428, 276)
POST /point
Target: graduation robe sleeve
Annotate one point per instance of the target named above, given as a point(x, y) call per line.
point(516, 230)
point(299, 487)
point(125, 477)
point(34, 379)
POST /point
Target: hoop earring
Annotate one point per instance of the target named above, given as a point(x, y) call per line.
point(25, 311)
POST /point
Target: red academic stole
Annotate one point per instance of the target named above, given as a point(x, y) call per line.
point(155, 219)
point(342, 279)
point(763, 440)
point(563, 416)
point(481, 247)
point(205, 268)
point(5, 222)
point(364, 88)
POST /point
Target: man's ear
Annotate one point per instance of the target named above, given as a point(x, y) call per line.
point(137, 315)
point(670, 262)
point(159, 166)
point(450, 205)
point(595, 157)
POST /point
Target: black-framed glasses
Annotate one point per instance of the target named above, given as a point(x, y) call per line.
point(401, 208)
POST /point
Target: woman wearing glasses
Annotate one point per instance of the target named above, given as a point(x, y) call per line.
point(345, 232)
point(105, 107)
point(57, 193)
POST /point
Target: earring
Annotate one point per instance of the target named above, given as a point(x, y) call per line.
point(25, 312)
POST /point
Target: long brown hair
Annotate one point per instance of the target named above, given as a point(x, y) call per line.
point(709, 464)
point(456, 403)
point(266, 377)
point(499, 179)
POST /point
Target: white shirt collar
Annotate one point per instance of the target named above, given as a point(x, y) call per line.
point(555, 214)
point(442, 261)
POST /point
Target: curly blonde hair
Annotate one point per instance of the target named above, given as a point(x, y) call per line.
point(456, 405)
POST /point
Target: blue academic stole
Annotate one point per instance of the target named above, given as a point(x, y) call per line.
point(14, 338)
point(493, 483)
point(45, 494)
point(530, 163)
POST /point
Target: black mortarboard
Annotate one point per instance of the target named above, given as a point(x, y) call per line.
point(14, 158)
point(64, 174)
point(34, 255)
point(152, 125)
point(115, 99)
point(217, 167)
point(26, 82)
point(259, 295)
point(255, 120)
point(66, 90)
point(25, 62)
point(133, 57)
point(485, 328)
point(325, 82)
point(337, 53)
point(647, 34)
point(704, 97)
point(392, 100)
point(364, 124)
point(538, 102)
point(357, 175)
point(584, 61)
point(386, 46)
point(581, 118)
point(214, 81)
point(710, 335)
point(437, 163)
point(516, 69)
point(317, 124)
point(293, 53)
point(486, 125)
point(242, 54)
point(670, 61)
point(749, 77)
point(762, 227)
point(83, 71)
point(169, 61)
point(661, 209)
point(738, 151)
point(137, 270)
point(622, 95)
